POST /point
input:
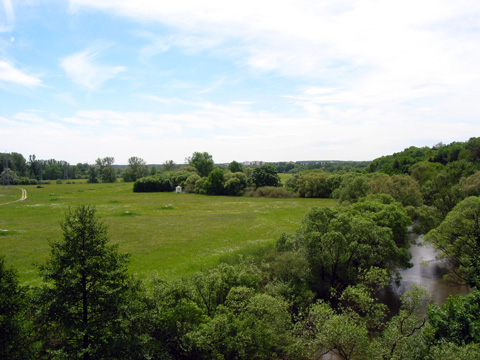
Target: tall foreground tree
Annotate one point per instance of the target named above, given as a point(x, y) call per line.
point(84, 304)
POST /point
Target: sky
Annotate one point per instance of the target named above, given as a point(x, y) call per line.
point(242, 80)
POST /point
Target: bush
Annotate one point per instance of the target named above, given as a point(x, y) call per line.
point(269, 191)
point(59, 181)
point(190, 183)
point(25, 181)
point(214, 184)
point(235, 183)
point(199, 186)
point(152, 184)
point(163, 182)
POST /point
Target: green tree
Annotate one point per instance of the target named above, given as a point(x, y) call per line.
point(247, 326)
point(214, 185)
point(235, 167)
point(92, 174)
point(137, 168)
point(13, 325)
point(458, 240)
point(457, 320)
point(235, 183)
point(403, 188)
point(402, 337)
point(470, 186)
point(338, 244)
point(353, 186)
point(324, 331)
point(168, 165)
point(107, 171)
point(203, 162)
point(190, 183)
point(83, 306)
point(52, 172)
point(265, 175)
point(424, 171)
point(314, 185)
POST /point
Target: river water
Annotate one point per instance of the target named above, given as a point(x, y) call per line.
point(428, 272)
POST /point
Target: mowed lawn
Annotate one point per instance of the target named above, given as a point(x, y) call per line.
point(166, 233)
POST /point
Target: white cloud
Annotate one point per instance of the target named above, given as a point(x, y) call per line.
point(82, 69)
point(376, 50)
point(9, 17)
point(12, 75)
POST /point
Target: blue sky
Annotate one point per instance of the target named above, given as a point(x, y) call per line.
point(250, 80)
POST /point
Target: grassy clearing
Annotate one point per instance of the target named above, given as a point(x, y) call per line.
point(9, 194)
point(167, 233)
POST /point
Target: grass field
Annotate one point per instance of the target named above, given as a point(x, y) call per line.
point(167, 233)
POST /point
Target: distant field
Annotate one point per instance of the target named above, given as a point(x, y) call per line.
point(171, 234)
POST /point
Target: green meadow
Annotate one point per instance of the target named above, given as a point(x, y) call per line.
point(166, 233)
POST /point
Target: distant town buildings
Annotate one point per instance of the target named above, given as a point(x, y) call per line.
point(252, 163)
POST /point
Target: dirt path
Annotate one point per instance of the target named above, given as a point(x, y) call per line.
point(24, 197)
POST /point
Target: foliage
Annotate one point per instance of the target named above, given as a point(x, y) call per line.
point(352, 187)
point(454, 351)
point(214, 184)
point(172, 315)
point(14, 343)
point(385, 212)
point(402, 337)
point(425, 218)
point(235, 183)
point(203, 162)
point(83, 308)
point(314, 185)
point(339, 243)
point(199, 186)
point(108, 173)
point(247, 326)
point(162, 182)
point(168, 165)
point(323, 331)
point(92, 174)
point(456, 321)
point(137, 168)
point(269, 191)
point(458, 240)
point(190, 183)
point(235, 166)
point(403, 188)
point(424, 171)
point(265, 175)
point(470, 186)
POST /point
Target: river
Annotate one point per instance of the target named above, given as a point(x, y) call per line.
point(428, 272)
